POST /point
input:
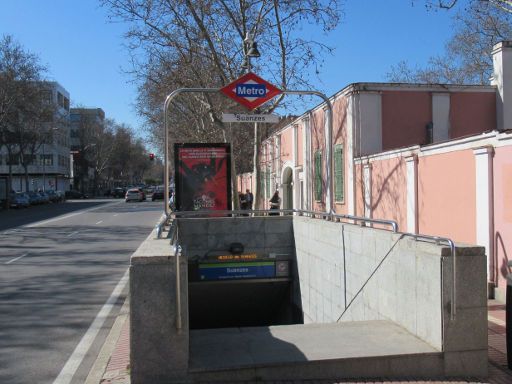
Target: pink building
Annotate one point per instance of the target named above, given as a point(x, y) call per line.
point(435, 158)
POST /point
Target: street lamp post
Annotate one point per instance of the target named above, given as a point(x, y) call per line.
point(250, 50)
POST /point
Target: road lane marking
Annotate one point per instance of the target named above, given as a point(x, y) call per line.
point(76, 358)
point(99, 222)
point(16, 258)
point(9, 231)
point(72, 233)
point(68, 216)
point(115, 214)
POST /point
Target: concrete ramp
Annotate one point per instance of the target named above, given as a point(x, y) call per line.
point(362, 349)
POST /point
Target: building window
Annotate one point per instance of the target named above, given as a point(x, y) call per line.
point(318, 175)
point(29, 159)
point(47, 97)
point(60, 99)
point(339, 185)
point(13, 159)
point(46, 159)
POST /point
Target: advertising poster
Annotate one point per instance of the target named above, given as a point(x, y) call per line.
point(203, 177)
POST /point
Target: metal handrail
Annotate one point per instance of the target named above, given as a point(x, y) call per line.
point(329, 216)
point(329, 134)
point(177, 254)
point(256, 212)
point(160, 226)
point(451, 244)
point(231, 213)
point(393, 223)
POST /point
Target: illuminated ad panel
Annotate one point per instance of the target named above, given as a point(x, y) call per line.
point(202, 177)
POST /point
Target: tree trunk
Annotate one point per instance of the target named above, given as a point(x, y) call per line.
point(25, 168)
point(9, 183)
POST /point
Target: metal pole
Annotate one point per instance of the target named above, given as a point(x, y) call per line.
point(168, 101)
point(328, 151)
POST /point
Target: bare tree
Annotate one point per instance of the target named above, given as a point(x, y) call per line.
point(467, 58)
point(504, 5)
point(21, 103)
point(199, 43)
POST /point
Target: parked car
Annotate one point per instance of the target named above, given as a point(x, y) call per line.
point(61, 195)
point(34, 198)
point(158, 193)
point(73, 194)
point(134, 194)
point(119, 192)
point(45, 198)
point(55, 196)
point(18, 200)
point(143, 193)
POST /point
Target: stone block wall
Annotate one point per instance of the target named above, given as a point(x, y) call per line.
point(264, 235)
point(351, 273)
point(159, 352)
point(345, 272)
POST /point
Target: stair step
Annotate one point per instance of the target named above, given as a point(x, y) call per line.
point(311, 351)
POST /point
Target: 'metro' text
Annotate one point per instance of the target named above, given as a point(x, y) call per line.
point(251, 90)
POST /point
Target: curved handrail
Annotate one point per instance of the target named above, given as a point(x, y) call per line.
point(329, 133)
point(392, 223)
point(324, 215)
point(265, 212)
point(451, 244)
point(160, 226)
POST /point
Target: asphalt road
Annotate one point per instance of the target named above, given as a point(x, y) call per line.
point(59, 267)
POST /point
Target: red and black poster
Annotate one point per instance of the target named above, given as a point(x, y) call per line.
point(202, 177)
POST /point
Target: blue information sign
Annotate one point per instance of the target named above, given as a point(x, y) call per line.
point(243, 270)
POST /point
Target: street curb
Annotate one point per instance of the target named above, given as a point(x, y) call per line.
point(100, 365)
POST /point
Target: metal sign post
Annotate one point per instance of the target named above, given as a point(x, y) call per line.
point(328, 136)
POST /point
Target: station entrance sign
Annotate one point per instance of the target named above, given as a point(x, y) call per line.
point(248, 118)
point(250, 90)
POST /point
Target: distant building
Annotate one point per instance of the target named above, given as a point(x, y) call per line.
point(50, 163)
point(84, 128)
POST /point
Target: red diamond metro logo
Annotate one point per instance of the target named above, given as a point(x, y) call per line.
point(250, 90)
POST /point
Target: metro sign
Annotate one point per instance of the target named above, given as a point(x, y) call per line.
point(250, 90)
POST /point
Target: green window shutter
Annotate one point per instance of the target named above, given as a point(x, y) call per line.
point(318, 175)
point(338, 173)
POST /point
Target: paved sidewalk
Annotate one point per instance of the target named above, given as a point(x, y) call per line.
point(117, 370)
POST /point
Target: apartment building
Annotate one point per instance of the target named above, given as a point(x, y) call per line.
point(48, 160)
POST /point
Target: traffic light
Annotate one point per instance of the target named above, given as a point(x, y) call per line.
point(151, 156)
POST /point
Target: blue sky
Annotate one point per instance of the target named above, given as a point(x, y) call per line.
point(85, 54)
